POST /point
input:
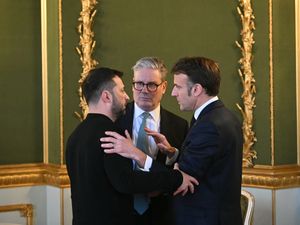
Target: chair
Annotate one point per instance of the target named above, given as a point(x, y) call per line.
point(247, 205)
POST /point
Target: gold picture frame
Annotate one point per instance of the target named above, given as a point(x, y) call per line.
point(26, 210)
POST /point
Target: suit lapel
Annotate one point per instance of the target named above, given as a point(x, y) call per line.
point(128, 117)
point(163, 130)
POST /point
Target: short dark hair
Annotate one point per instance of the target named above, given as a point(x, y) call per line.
point(96, 81)
point(200, 70)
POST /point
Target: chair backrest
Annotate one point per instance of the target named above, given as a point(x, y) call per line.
point(247, 205)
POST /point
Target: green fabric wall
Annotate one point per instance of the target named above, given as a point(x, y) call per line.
point(128, 30)
point(20, 82)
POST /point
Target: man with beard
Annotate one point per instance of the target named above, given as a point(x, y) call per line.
point(102, 184)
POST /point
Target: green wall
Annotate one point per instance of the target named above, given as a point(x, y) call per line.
point(126, 31)
point(20, 82)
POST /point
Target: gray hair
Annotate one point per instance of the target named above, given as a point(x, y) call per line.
point(151, 63)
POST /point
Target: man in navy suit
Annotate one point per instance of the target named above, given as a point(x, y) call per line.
point(212, 150)
point(148, 87)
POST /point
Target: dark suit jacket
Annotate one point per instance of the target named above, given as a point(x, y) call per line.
point(102, 184)
point(175, 129)
point(212, 153)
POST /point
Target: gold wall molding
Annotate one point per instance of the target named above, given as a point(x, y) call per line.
point(45, 80)
point(26, 210)
point(33, 174)
point(247, 77)
point(61, 86)
point(272, 177)
point(271, 82)
point(86, 47)
point(260, 176)
point(297, 38)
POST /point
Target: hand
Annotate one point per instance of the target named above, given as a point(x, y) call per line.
point(188, 183)
point(123, 146)
point(161, 142)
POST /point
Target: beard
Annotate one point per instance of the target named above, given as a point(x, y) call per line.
point(117, 109)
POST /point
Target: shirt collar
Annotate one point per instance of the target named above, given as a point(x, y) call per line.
point(200, 109)
point(154, 113)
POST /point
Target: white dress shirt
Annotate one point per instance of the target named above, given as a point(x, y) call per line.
point(153, 123)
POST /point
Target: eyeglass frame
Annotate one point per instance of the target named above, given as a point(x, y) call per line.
point(147, 85)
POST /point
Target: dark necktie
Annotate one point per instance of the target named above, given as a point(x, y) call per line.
point(141, 201)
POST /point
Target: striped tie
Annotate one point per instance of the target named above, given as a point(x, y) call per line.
point(141, 201)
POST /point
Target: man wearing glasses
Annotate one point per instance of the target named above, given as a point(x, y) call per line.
point(148, 87)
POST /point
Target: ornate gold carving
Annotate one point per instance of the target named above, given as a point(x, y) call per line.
point(87, 45)
point(26, 210)
point(272, 177)
point(61, 100)
point(248, 81)
point(33, 174)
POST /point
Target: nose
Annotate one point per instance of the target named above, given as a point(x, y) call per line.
point(126, 97)
point(173, 93)
point(145, 89)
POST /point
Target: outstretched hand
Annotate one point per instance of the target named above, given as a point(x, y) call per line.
point(161, 142)
point(188, 183)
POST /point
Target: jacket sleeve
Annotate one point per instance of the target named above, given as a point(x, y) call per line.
point(199, 150)
point(124, 179)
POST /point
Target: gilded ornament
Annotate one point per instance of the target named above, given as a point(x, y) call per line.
point(248, 81)
point(86, 47)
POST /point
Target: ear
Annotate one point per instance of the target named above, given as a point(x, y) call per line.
point(106, 96)
point(164, 86)
point(197, 90)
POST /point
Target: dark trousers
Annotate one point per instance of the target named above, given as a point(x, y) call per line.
point(144, 219)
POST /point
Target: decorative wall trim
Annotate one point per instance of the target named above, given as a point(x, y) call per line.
point(44, 79)
point(86, 47)
point(26, 210)
point(61, 100)
point(268, 177)
point(297, 39)
point(247, 78)
point(33, 174)
point(271, 82)
point(272, 177)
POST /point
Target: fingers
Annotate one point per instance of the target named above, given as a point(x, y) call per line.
point(194, 180)
point(107, 139)
point(149, 130)
point(184, 192)
point(191, 188)
point(114, 134)
point(109, 151)
point(107, 145)
point(176, 166)
point(127, 134)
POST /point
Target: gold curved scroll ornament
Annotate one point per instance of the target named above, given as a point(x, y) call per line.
point(86, 48)
point(247, 77)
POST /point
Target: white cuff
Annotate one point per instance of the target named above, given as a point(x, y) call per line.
point(148, 164)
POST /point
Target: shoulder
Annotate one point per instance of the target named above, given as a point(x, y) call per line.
point(172, 116)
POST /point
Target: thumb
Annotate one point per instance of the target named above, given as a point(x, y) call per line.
point(127, 134)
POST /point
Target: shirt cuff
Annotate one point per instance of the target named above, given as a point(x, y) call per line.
point(148, 164)
point(171, 160)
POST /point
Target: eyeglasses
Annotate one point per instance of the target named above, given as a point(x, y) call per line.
point(151, 87)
